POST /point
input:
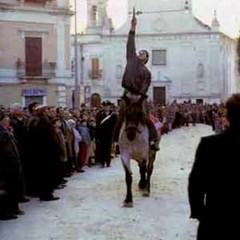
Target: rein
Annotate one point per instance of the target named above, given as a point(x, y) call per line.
point(133, 127)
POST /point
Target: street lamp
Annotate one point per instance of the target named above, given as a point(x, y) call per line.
point(77, 85)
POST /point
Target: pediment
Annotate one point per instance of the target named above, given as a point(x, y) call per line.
point(167, 22)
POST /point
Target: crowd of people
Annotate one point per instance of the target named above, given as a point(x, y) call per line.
point(41, 146)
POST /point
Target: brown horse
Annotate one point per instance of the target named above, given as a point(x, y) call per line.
point(134, 144)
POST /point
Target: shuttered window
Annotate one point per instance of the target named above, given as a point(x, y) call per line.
point(94, 14)
point(33, 55)
point(159, 57)
point(95, 68)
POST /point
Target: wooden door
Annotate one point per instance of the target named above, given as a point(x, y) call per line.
point(33, 53)
point(95, 100)
point(159, 95)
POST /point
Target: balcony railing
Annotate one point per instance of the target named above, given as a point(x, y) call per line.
point(46, 70)
point(37, 1)
point(95, 75)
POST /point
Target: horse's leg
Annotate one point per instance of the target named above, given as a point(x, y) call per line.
point(128, 202)
point(143, 169)
point(152, 155)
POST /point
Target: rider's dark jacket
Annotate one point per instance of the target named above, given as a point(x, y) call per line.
point(137, 77)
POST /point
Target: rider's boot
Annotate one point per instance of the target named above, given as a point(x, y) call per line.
point(153, 135)
point(120, 119)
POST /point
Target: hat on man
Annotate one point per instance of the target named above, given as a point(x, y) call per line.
point(106, 103)
point(32, 106)
point(3, 114)
point(40, 107)
point(54, 120)
point(71, 122)
point(91, 119)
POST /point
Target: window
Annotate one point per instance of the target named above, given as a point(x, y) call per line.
point(119, 71)
point(33, 55)
point(94, 14)
point(95, 74)
point(200, 70)
point(73, 67)
point(159, 57)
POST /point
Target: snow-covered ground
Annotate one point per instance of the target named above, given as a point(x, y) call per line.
point(90, 207)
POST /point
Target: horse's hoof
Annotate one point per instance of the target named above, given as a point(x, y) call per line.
point(146, 194)
point(128, 204)
point(141, 186)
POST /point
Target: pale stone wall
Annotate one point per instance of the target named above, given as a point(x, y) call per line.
point(12, 2)
point(13, 93)
point(180, 76)
point(67, 48)
point(12, 44)
point(9, 95)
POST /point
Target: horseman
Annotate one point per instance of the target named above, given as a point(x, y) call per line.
point(136, 81)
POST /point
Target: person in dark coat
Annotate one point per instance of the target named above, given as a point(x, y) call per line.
point(32, 176)
point(10, 172)
point(47, 155)
point(214, 180)
point(136, 81)
point(105, 124)
point(20, 130)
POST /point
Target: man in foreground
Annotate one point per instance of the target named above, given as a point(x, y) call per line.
point(214, 181)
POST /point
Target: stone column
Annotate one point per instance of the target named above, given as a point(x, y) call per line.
point(60, 47)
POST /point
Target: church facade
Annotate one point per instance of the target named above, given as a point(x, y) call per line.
point(189, 60)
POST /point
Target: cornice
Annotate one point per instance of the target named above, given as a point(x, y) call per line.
point(169, 35)
point(162, 37)
point(27, 9)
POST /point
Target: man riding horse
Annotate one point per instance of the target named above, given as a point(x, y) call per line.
point(136, 81)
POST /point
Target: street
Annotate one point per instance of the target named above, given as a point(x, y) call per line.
point(90, 207)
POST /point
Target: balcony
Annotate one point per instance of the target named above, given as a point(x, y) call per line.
point(49, 6)
point(95, 75)
point(45, 71)
point(37, 1)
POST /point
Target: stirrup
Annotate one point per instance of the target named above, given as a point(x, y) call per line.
point(154, 146)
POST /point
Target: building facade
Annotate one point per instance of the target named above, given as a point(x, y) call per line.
point(189, 60)
point(35, 47)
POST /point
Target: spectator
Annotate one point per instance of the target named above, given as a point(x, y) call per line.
point(10, 172)
point(214, 180)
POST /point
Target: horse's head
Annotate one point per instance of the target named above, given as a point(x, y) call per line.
point(134, 115)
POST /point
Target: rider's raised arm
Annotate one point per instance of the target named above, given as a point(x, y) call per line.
point(131, 49)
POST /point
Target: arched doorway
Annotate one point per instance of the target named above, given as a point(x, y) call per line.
point(95, 100)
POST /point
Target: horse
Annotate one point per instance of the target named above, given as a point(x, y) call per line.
point(134, 144)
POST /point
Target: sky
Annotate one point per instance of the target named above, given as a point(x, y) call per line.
point(228, 13)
